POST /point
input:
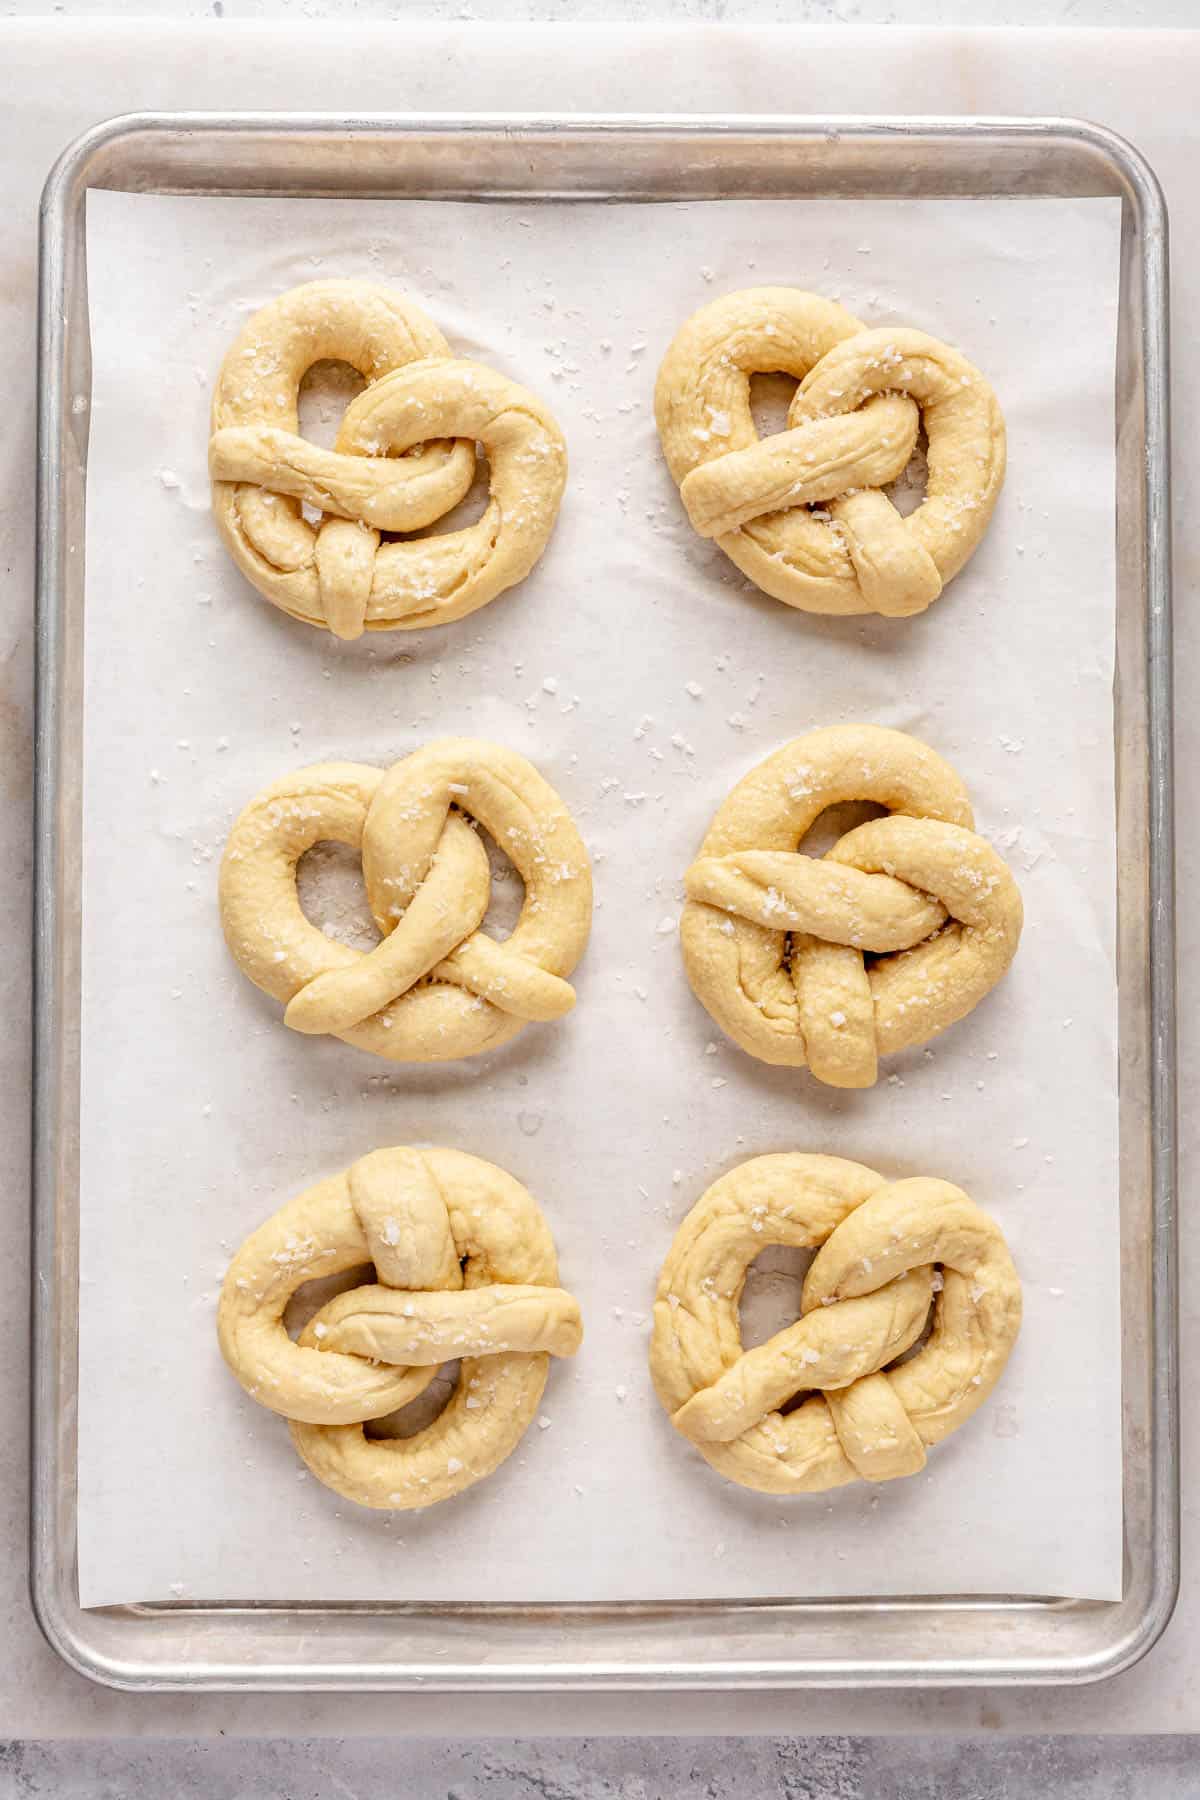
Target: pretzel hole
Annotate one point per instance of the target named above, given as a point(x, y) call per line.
point(835, 822)
point(771, 1298)
point(908, 490)
point(469, 510)
point(926, 1329)
point(508, 891)
point(332, 897)
point(770, 397)
point(325, 393)
point(406, 1421)
point(309, 1298)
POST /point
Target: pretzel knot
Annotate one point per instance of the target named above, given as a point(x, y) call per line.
point(465, 1268)
point(405, 454)
point(886, 1251)
point(437, 986)
point(776, 943)
point(801, 512)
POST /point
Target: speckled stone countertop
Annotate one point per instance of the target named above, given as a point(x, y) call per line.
point(615, 1768)
point(56, 84)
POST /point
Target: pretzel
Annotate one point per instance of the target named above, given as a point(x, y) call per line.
point(465, 1268)
point(887, 1249)
point(775, 942)
point(801, 513)
point(405, 454)
point(437, 987)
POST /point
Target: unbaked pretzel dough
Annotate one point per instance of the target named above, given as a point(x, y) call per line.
point(802, 513)
point(437, 987)
point(465, 1268)
point(886, 1251)
point(775, 942)
point(405, 454)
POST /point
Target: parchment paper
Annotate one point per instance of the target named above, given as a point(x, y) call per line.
point(643, 676)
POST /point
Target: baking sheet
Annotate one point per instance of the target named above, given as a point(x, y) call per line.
point(201, 1113)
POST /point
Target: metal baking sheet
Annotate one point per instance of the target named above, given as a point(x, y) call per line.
point(767, 1643)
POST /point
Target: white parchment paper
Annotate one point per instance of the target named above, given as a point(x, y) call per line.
point(643, 676)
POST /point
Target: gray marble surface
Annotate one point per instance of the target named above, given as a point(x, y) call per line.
point(37, 1694)
point(780, 1768)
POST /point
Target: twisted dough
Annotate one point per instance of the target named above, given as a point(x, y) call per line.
point(775, 942)
point(465, 1268)
point(886, 1249)
point(405, 454)
point(437, 987)
point(801, 513)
